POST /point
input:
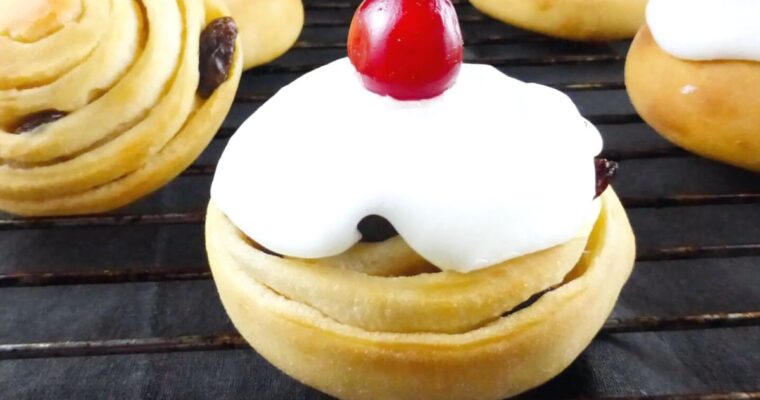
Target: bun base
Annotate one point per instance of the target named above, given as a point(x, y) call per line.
point(503, 358)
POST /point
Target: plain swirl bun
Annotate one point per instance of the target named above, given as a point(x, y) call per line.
point(380, 322)
point(592, 20)
point(100, 102)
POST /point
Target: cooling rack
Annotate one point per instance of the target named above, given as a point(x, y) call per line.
point(123, 305)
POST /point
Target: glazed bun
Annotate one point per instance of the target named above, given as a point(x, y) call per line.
point(103, 102)
point(592, 20)
point(707, 107)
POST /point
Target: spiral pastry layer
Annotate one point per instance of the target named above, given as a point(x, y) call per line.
point(379, 322)
point(99, 100)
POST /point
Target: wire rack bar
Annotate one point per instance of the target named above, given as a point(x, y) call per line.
point(102, 221)
point(133, 275)
point(699, 252)
point(511, 39)
point(681, 323)
point(335, 5)
point(107, 276)
point(247, 97)
point(562, 59)
point(122, 346)
point(197, 217)
point(708, 396)
point(229, 341)
point(690, 200)
point(344, 23)
point(340, 5)
point(352, 4)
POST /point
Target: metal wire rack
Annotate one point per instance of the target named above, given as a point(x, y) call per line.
point(682, 208)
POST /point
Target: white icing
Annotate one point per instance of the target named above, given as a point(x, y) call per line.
point(491, 170)
point(703, 30)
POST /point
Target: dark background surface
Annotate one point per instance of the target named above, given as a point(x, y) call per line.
point(654, 178)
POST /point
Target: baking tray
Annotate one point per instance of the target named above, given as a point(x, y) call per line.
point(122, 306)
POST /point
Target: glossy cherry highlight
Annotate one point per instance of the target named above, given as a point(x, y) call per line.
point(406, 49)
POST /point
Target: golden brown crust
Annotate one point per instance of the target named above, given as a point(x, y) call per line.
point(707, 107)
point(592, 20)
point(502, 358)
point(268, 28)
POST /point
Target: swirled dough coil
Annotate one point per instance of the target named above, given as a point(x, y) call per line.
point(375, 323)
point(125, 73)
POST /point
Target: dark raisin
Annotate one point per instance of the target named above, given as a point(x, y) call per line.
point(375, 229)
point(34, 121)
point(216, 54)
point(605, 173)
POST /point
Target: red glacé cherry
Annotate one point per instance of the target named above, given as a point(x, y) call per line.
point(406, 49)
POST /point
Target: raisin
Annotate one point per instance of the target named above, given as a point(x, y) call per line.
point(375, 229)
point(605, 173)
point(217, 48)
point(34, 121)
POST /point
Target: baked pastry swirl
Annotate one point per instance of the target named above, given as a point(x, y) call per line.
point(368, 324)
point(102, 102)
point(592, 20)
